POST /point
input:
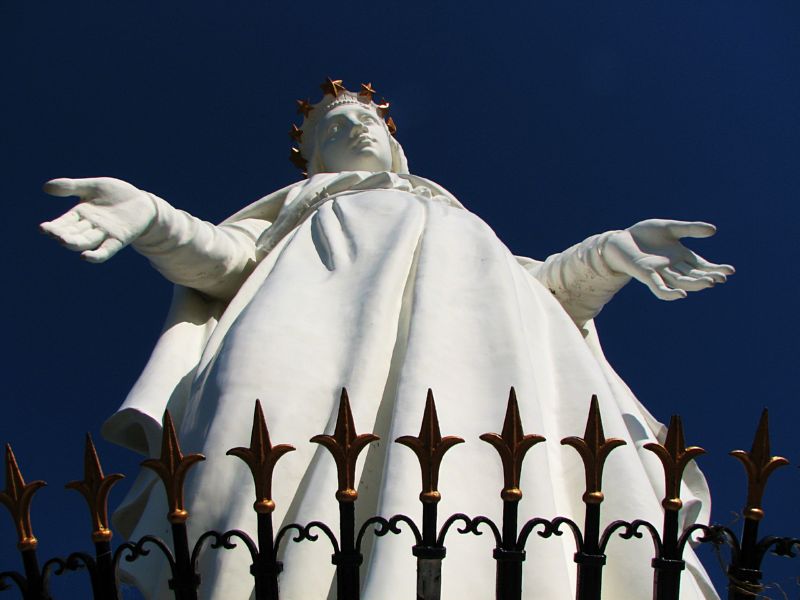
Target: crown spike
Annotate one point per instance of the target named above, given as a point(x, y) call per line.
point(304, 107)
point(367, 91)
point(332, 87)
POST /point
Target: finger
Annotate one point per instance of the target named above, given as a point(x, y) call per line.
point(702, 263)
point(71, 187)
point(648, 275)
point(56, 226)
point(88, 240)
point(693, 229)
point(685, 268)
point(105, 251)
point(686, 282)
point(78, 226)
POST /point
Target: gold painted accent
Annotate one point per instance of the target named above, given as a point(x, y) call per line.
point(17, 499)
point(297, 159)
point(304, 107)
point(296, 133)
point(391, 125)
point(367, 91)
point(172, 467)
point(345, 445)
point(383, 108)
point(261, 457)
point(674, 456)
point(430, 446)
point(512, 445)
point(759, 465)
point(332, 87)
point(95, 488)
point(594, 448)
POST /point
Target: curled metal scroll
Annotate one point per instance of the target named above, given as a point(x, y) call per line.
point(713, 534)
point(452, 520)
point(631, 530)
point(550, 528)
point(18, 579)
point(304, 533)
point(223, 540)
point(385, 526)
point(137, 549)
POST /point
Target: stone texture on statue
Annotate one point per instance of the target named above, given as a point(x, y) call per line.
point(368, 277)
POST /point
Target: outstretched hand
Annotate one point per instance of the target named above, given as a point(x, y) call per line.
point(652, 253)
point(111, 214)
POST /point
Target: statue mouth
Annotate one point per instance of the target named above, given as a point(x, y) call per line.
point(362, 141)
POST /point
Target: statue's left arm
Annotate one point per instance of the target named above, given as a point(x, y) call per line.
point(586, 276)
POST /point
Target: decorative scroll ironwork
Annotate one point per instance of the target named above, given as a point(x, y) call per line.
point(747, 551)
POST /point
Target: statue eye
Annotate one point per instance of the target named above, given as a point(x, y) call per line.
point(333, 129)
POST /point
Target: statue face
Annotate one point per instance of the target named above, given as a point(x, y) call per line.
point(352, 138)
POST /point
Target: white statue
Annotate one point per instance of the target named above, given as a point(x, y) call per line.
point(367, 277)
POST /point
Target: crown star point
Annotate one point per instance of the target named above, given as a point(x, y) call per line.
point(367, 91)
point(304, 107)
point(296, 134)
point(332, 87)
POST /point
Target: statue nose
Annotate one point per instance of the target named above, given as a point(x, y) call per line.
point(357, 128)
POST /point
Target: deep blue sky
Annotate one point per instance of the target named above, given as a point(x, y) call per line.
point(553, 120)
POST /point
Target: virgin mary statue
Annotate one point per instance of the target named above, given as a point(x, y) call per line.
point(367, 277)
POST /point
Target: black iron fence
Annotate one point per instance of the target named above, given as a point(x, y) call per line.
point(746, 550)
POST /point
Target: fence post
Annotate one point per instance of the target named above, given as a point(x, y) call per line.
point(261, 457)
point(674, 456)
point(345, 445)
point(429, 447)
point(17, 499)
point(594, 448)
point(744, 573)
point(512, 445)
point(95, 488)
point(172, 467)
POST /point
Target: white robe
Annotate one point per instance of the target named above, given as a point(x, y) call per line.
point(385, 285)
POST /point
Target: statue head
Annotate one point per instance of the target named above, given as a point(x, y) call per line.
point(346, 131)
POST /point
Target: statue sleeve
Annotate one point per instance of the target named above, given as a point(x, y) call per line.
point(212, 259)
point(580, 278)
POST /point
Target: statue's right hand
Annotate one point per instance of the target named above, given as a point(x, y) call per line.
point(111, 214)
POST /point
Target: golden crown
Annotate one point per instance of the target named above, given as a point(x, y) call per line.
point(334, 94)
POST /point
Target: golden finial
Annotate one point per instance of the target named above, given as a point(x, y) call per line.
point(332, 87)
point(759, 465)
point(383, 108)
point(390, 124)
point(367, 91)
point(674, 456)
point(95, 488)
point(429, 446)
point(172, 467)
point(296, 133)
point(304, 107)
point(345, 445)
point(594, 448)
point(261, 457)
point(17, 499)
point(297, 159)
point(512, 445)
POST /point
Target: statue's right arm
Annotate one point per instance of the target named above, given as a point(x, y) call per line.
point(112, 214)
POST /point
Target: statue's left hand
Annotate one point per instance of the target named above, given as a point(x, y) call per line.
point(111, 214)
point(652, 253)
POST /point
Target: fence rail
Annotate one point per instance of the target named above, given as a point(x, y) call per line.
point(747, 550)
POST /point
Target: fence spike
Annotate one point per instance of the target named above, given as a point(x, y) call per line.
point(172, 467)
point(261, 457)
point(594, 448)
point(674, 457)
point(17, 499)
point(430, 447)
point(759, 464)
point(95, 488)
point(345, 445)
